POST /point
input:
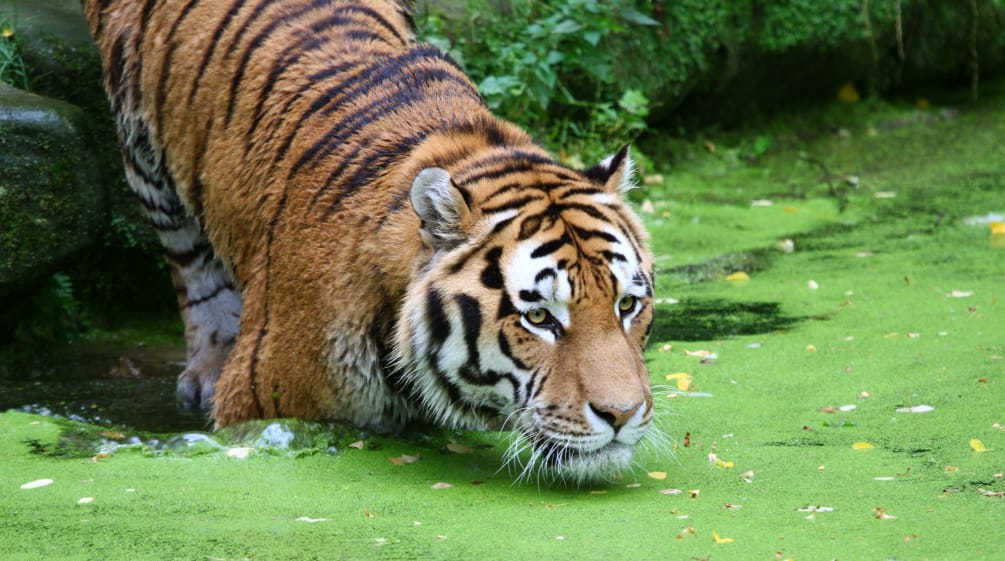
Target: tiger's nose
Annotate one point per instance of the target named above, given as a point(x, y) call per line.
point(614, 416)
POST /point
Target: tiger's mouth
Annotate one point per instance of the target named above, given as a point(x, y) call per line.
point(554, 461)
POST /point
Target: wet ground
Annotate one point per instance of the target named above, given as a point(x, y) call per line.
point(105, 384)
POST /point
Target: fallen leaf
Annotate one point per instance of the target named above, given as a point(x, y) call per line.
point(729, 506)
point(828, 410)
point(37, 483)
point(811, 348)
point(114, 435)
point(915, 409)
point(961, 294)
point(987, 493)
point(761, 202)
point(700, 353)
point(598, 492)
point(747, 476)
point(310, 520)
point(885, 194)
point(738, 277)
point(847, 408)
point(717, 539)
point(633, 485)
point(405, 459)
point(684, 380)
point(862, 446)
point(722, 464)
point(977, 445)
point(814, 508)
point(647, 207)
point(952, 469)
point(658, 475)
point(458, 448)
point(881, 514)
point(85, 500)
point(671, 492)
point(812, 284)
point(442, 485)
point(359, 445)
point(694, 493)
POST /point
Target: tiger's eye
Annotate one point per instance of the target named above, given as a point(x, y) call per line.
point(537, 316)
point(626, 304)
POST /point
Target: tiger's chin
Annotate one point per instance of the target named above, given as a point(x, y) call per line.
point(552, 463)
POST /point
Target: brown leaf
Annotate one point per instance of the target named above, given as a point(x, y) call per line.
point(404, 459)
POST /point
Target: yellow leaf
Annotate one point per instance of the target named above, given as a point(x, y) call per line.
point(811, 348)
point(977, 445)
point(684, 380)
point(997, 228)
point(6, 32)
point(738, 277)
point(862, 446)
point(847, 93)
point(723, 464)
point(717, 539)
point(658, 474)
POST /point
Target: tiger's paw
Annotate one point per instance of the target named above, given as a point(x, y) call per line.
point(197, 385)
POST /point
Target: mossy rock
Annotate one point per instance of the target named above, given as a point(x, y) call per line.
point(52, 200)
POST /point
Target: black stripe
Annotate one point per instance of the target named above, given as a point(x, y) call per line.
point(116, 66)
point(471, 320)
point(317, 105)
point(544, 274)
point(510, 157)
point(203, 299)
point(548, 248)
point(381, 20)
point(514, 204)
point(439, 325)
point(184, 258)
point(492, 276)
point(166, 63)
point(587, 234)
point(393, 100)
point(235, 7)
point(613, 256)
point(531, 296)
point(507, 351)
point(580, 191)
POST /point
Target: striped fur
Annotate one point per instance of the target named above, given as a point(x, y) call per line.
point(354, 236)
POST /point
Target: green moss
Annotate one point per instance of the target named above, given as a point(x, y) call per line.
point(904, 310)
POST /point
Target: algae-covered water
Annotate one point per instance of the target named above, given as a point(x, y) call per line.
point(828, 356)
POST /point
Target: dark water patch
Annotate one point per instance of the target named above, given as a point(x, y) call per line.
point(709, 320)
point(718, 267)
point(105, 386)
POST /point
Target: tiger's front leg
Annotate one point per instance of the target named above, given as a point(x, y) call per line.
point(210, 307)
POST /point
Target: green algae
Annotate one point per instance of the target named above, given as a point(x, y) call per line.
point(892, 303)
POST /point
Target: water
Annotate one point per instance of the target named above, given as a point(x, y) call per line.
point(104, 385)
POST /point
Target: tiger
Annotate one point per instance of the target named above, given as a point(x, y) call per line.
point(353, 235)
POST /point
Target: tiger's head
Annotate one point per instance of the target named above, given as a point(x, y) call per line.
point(529, 308)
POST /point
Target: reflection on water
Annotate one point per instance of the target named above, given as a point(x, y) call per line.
point(105, 385)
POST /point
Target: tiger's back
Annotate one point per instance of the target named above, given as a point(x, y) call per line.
point(344, 192)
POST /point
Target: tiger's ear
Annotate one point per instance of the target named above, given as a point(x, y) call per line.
point(441, 207)
point(616, 173)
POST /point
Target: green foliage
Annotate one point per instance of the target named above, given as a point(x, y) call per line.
point(56, 314)
point(548, 65)
point(12, 69)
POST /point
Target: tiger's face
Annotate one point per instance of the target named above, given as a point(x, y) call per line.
point(532, 312)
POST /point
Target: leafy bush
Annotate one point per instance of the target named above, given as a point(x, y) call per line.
point(12, 68)
point(547, 65)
